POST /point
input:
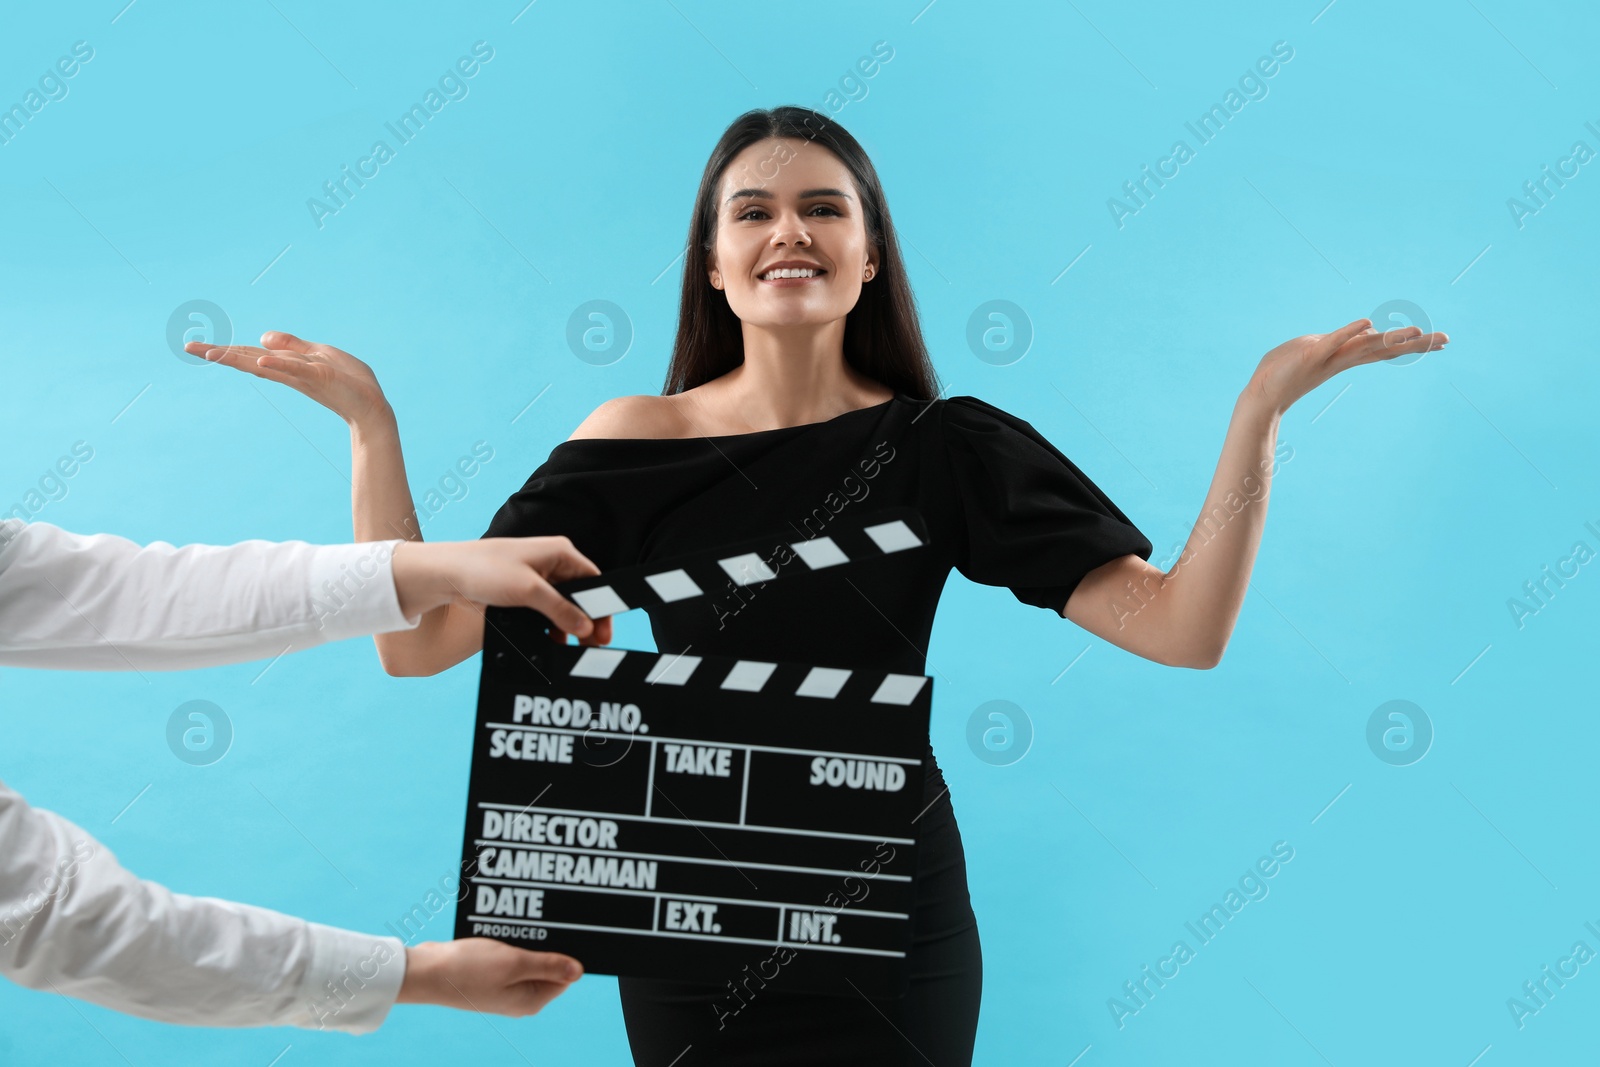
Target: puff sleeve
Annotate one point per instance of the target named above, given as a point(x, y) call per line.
point(559, 497)
point(1030, 519)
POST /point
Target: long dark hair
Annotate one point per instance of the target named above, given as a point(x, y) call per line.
point(882, 337)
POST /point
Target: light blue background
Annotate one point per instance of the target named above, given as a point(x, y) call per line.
point(1418, 501)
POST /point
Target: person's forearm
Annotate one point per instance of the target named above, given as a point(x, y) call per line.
point(101, 602)
point(1199, 599)
point(380, 499)
point(382, 508)
point(74, 921)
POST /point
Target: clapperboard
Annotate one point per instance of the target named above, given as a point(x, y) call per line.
point(680, 816)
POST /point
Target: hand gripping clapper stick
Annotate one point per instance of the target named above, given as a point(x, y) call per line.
point(698, 817)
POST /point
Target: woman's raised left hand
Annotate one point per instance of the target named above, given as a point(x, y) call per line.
point(1300, 364)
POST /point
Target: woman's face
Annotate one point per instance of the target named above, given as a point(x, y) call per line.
point(789, 200)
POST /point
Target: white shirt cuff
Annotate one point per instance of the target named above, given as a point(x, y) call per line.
point(353, 981)
point(352, 590)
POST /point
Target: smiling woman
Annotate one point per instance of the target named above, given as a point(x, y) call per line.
point(790, 189)
point(798, 356)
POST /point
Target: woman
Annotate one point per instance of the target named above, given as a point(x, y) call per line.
point(789, 397)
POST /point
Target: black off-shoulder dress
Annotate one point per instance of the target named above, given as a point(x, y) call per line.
point(1002, 505)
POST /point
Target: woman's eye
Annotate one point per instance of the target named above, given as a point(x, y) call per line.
point(757, 211)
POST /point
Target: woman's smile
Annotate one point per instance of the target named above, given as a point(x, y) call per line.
point(790, 282)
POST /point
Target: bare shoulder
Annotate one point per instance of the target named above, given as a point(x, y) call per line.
point(631, 416)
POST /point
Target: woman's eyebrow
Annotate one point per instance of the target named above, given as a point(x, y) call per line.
point(805, 194)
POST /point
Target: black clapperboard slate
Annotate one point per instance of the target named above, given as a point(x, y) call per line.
point(679, 816)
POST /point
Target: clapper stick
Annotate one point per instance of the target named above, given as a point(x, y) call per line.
point(871, 536)
point(700, 817)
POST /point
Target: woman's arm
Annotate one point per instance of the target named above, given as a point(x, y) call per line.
point(380, 497)
point(1184, 617)
point(381, 507)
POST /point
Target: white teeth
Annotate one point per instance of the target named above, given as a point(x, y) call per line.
point(789, 272)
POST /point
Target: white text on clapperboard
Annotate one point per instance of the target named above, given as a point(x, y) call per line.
point(548, 734)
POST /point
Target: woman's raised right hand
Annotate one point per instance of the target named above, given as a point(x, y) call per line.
point(332, 377)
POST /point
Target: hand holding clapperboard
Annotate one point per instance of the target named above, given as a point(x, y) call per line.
point(625, 806)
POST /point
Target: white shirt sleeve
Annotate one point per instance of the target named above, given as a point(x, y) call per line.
point(100, 602)
point(72, 919)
